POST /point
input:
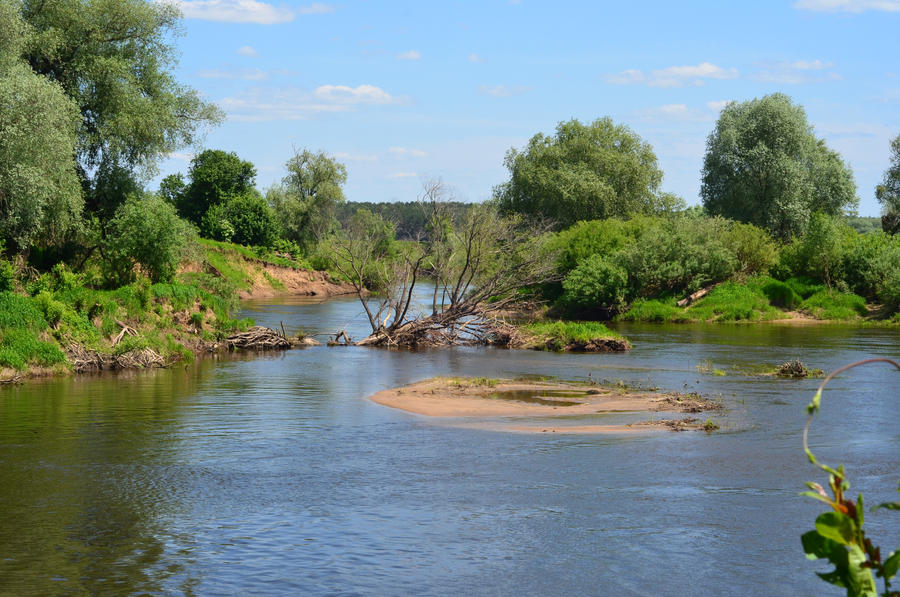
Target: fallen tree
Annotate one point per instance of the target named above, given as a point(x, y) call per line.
point(484, 262)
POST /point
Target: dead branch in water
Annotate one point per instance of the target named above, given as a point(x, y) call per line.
point(258, 338)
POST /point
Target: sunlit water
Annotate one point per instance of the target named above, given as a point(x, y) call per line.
point(275, 476)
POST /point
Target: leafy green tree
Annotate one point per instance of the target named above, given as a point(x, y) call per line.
point(583, 172)
point(146, 232)
point(252, 219)
point(596, 284)
point(306, 201)
point(114, 59)
point(764, 165)
point(888, 192)
point(215, 176)
point(40, 194)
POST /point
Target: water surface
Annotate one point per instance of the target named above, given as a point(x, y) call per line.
point(274, 475)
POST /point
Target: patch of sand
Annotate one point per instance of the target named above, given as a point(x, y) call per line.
point(473, 398)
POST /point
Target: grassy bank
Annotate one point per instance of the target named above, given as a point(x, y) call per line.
point(760, 298)
point(574, 336)
point(51, 321)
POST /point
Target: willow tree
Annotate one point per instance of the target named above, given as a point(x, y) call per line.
point(764, 165)
point(115, 60)
point(583, 172)
point(40, 195)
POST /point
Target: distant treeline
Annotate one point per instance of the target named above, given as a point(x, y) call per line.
point(409, 218)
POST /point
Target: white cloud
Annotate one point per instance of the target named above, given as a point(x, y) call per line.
point(402, 175)
point(355, 157)
point(248, 51)
point(796, 72)
point(316, 8)
point(416, 153)
point(245, 11)
point(473, 57)
point(848, 5)
point(503, 90)
point(674, 76)
point(176, 155)
point(717, 106)
point(240, 74)
point(362, 94)
point(289, 103)
point(234, 11)
point(411, 55)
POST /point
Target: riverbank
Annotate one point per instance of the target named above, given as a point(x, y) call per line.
point(58, 323)
point(479, 399)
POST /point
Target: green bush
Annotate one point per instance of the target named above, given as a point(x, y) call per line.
point(7, 276)
point(19, 347)
point(781, 295)
point(733, 302)
point(146, 232)
point(595, 284)
point(215, 224)
point(804, 287)
point(653, 310)
point(830, 304)
point(253, 220)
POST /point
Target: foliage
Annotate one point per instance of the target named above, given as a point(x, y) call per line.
point(249, 219)
point(563, 333)
point(839, 536)
point(40, 195)
point(115, 60)
point(147, 232)
point(215, 177)
point(781, 294)
point(764, 165)
point(21, 324)
point(306, 201)
point(653, 310)
point(582, 172)
point(831, 304)
point(595, 283)
point(888, 192)
point(410, 220)
point(731, 301)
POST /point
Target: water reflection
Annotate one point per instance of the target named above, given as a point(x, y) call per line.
point(274, 475)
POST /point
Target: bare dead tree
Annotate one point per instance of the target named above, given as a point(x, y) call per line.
point(490, 258)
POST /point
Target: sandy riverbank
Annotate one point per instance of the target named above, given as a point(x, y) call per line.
point(483, 399)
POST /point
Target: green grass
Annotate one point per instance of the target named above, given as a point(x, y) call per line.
point(731, 301)
point(563, 333)
point(653, 310)
point(830, 304)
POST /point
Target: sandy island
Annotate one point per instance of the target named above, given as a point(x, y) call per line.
point(479, 398)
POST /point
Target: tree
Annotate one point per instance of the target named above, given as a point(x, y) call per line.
point(305, 201)
point(216, 176)
point(114, 59)
point(764, 165)
point(40, 195)
point(147, 232)
point(888, 192)
point(583, 172)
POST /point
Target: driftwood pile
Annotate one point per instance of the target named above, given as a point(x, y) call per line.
point(793, 368)
point(258, 338)
point(84, 360)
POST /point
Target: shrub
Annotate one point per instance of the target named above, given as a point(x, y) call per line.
point(804, 287)
point(147, 232)
point(215, 224)
point(594, 284)
point(253, 220)
point(652, 310)
point(781, 295)
point(830, 304)
point(7, 276)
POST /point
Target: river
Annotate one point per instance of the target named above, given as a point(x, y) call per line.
point(273, 475)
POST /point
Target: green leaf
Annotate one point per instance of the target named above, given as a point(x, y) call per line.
point(816, 496)
point(891, 565)
point(888, 506)
point(861, 582)
point(837, 527)
point(816, 546)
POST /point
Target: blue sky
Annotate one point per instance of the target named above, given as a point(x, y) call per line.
point(400, 91)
